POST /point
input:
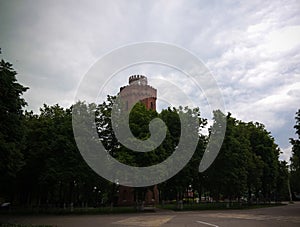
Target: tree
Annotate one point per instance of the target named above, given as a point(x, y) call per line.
point(54, 172)
point(175, 187)
point(282, 183)
point(11, 128)
point(264, 147)
point(227, 176)
point(139, 120)
point(104, 126)
point(247, 163)
point(295, 159)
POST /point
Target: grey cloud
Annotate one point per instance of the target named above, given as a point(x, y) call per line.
point(52, 45)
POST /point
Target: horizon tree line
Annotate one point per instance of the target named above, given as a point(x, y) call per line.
point(40, 164)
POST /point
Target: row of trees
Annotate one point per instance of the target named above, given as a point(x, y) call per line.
point(40, 163)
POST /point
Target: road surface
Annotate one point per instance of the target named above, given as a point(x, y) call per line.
point(288, 215)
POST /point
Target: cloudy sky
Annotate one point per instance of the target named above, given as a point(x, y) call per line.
point(251, 47)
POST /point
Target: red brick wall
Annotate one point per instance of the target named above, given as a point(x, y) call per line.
point(133, 93)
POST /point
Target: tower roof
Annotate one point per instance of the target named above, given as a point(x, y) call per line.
point(135, 79)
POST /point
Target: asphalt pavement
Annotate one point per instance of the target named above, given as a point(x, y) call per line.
point(288, 215)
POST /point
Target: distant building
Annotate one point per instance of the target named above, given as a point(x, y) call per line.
point(138, 90)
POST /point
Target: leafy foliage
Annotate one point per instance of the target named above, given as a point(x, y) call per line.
point(11, 127)
point(41, 165)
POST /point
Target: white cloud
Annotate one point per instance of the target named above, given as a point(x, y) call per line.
point(286, 153)
point(283, 39)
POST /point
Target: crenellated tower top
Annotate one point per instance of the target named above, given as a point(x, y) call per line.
point(138, 79)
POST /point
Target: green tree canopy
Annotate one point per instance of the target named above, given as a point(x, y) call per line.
point(11, 128)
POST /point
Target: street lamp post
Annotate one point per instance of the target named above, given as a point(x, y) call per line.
point(95, 196)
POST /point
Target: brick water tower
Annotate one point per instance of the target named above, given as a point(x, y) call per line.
point(138, 90)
